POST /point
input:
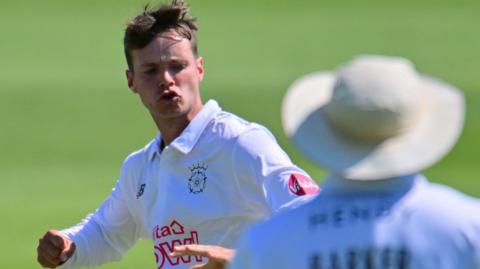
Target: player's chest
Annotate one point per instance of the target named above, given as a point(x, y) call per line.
point(194, 190)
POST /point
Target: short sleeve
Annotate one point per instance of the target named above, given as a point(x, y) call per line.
point(258, 159)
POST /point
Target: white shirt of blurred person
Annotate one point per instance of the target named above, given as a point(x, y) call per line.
point(373, 124)
point(202, 180)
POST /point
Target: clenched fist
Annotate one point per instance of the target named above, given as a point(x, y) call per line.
point(54, 249)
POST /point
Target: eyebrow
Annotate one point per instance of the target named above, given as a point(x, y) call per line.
point(164, 59)
point(172, 58)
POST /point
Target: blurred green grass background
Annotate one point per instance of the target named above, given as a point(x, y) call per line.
point(67, 119)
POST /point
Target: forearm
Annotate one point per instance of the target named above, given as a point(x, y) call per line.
point(98, 242)
point(92, 248)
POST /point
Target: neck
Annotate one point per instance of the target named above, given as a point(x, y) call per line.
point(171, 128)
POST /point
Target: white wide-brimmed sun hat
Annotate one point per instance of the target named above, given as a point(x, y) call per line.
point(375, 118)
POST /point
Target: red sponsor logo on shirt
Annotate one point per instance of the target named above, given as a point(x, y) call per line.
point(302, 185)
point(166, 238)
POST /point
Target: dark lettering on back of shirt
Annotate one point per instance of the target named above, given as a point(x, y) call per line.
point(361, 258)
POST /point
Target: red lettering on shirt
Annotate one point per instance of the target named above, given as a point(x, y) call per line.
point(164, 244)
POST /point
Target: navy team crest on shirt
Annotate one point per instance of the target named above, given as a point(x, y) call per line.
point(198, 179)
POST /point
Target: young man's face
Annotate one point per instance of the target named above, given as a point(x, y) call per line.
point(166, 74)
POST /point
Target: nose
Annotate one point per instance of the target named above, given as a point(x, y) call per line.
point(166, 79)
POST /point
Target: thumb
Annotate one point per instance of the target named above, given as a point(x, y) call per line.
point(67, 250)
point(63, 256)
point(199, 266)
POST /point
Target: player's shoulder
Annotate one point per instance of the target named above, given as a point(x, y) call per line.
point(249, 140)
point(441, 204)
point(289, 223)
point(280, 232)
point(434, 195)
point(228, 125)
point(138, 159)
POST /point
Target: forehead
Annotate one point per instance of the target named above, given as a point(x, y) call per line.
point(165, 46)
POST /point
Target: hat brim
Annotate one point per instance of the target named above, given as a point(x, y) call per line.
point(432, 136)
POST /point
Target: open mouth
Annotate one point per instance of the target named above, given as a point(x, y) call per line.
point(169, 96)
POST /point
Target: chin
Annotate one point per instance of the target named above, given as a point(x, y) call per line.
point(173, 113)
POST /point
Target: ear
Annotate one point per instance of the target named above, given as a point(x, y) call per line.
point(200, 68)
point(129, 75)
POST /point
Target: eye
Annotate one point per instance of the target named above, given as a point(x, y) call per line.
point(150, 71)
point(177, 66)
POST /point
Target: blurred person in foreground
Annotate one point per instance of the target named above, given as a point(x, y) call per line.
point(205, 177)
point(374, 124)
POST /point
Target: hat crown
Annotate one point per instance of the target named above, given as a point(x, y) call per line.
point(374, 98)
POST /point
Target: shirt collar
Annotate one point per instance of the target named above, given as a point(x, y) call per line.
point(189, 137)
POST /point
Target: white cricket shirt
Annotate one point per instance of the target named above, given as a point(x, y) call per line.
point(220, 175)
point(400, 223)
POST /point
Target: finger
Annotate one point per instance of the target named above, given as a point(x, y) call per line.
point(57, 240)
point(47, 248)
point(44, 262)
point(48, 258)
point(200, 266)
point(63, 256)
point(66, 253)
point(195, 250)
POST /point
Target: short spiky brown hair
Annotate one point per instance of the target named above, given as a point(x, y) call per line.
point(142, 29)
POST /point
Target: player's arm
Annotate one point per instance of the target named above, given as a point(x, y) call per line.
point(105, 235)
point(101, 237)
point(259, 159)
